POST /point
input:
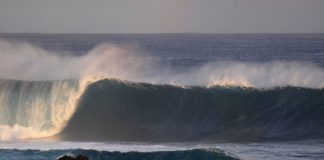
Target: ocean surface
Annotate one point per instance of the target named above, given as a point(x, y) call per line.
point(162, 96)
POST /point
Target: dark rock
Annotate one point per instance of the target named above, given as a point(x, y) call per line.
point(66, 158)
point(79, 157)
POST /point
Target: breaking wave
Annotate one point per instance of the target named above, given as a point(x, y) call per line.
point(43, 93)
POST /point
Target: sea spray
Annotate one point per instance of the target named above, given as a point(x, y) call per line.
point(36, 109)
point(24, 61)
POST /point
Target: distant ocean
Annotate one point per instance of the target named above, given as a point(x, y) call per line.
point(162, 96)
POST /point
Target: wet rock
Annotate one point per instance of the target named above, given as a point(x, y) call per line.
point(79, 157)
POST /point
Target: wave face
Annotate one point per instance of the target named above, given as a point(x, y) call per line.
point(119, 110)
point(34, 109)
point(195, 154)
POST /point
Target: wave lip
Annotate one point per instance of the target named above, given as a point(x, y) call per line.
point(126, 111)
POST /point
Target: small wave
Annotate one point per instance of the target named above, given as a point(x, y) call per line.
point(195, 154)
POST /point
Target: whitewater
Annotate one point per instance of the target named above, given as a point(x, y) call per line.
point(55, 95)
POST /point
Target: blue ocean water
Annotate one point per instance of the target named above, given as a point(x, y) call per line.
point(206, 96)
point(183, 50)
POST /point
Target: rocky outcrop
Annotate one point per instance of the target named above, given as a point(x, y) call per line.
point(79, 157)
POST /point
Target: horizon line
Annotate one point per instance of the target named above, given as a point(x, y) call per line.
point(162, 33)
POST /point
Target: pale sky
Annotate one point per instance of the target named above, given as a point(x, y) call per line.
point(162, 16)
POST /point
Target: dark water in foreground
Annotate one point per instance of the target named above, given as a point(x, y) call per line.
point(105, 155)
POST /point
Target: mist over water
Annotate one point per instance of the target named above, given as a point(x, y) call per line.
point(23, 61)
